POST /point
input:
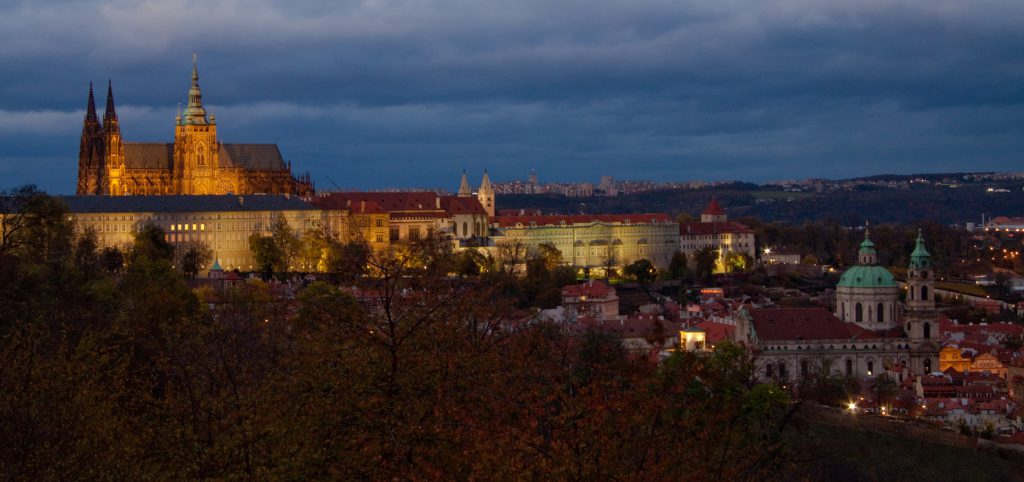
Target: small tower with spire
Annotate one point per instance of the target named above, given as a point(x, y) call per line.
point(464, 189)
point(91, 150)
point(867, 255)
point(486, 195)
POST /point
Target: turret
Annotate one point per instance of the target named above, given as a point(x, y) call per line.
point(867, 255)
point(713, 213)
point(486, 194)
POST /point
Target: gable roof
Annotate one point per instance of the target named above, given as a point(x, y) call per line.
point(253, 157)
point(803, 324)
point(556, 220)
point(183, 203)
point(728, 227)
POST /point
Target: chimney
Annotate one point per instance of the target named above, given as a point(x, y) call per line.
point(362, 206)
point(438, 199)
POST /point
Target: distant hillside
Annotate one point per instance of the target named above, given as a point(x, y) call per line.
point(879, 204)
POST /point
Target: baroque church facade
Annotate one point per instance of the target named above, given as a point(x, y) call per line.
point(195, 163)
point(870, 332)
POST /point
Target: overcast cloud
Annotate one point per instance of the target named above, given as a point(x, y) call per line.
point(407, 93)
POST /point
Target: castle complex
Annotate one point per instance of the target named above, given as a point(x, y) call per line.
point(195, 163)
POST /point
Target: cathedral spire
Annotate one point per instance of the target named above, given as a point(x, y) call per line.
point(110, 115)
point(194, 113)
point(90, 110)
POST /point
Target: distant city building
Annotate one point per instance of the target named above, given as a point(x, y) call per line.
point(195, 163)
point(715, 231)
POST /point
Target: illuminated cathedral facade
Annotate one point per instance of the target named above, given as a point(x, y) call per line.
point(196, 163)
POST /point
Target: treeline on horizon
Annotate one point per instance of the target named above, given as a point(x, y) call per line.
point(121, 371)
point(849, 208)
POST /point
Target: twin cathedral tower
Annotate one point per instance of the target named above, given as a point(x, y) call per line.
point(195, 163)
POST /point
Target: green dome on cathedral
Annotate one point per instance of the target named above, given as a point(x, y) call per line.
point(867, 277)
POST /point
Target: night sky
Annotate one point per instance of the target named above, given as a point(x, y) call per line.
point(408, 93)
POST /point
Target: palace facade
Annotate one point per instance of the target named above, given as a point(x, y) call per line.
point(195, 163)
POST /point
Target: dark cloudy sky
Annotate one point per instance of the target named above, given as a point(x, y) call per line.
point(406, 93)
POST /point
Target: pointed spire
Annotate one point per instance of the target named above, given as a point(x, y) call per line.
point(485, 184)
point(110, 122)
point(464, 189)
point(90, 110)
point(194, 113)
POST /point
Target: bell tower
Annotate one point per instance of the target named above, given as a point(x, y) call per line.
point(920, 320)
point(195, 145)
point(90, 151)
point(486, 194)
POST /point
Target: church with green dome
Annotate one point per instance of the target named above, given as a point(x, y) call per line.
point(867, 294)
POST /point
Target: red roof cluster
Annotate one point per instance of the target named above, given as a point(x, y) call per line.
point(415, 203)
point(557, 220)
point(590, 289)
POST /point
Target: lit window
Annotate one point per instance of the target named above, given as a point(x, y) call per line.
point(202, 227)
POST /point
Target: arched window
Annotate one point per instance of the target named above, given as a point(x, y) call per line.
point(782, 371)
point(803, 368)
point(881, 313)
point(927, 330)
point(910, 293)
point(768, 370)
point(871, 367)
point(842, 310)
point(924, 293)
point(465, 229)
point(858, 312)
point(849, 367)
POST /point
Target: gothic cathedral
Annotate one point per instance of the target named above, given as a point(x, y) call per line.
point(196, 163)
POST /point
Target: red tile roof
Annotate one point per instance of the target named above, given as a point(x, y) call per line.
point(713, 208)
point(556, 220)
point(590, 288)
point(731, 227)
point(716, 332)
point(804, 324)
point(462, 205)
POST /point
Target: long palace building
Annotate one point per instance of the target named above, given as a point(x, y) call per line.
point(195, 163)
